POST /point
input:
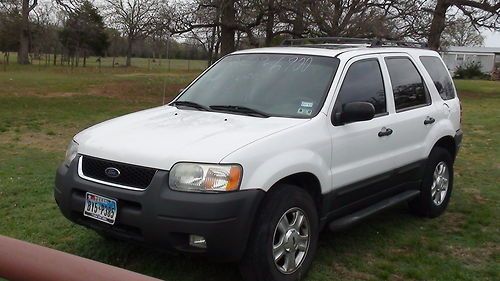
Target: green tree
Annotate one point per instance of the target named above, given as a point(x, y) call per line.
point(9, 30)
point(84, 32)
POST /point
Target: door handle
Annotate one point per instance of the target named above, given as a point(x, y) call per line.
point(429, 120)
point(385, 132)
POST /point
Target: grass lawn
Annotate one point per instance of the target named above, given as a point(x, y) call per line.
point(107, 62)
point(41, 110)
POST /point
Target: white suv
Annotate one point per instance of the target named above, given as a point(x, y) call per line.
point(265, 148)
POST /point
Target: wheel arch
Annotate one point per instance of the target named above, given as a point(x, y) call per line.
point(448, 143)
point(306, 181)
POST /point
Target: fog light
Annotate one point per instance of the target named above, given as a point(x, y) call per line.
point(197, 241)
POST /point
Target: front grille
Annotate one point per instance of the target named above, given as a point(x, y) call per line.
point(130, 175)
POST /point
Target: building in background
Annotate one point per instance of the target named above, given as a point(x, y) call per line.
point(489, 57)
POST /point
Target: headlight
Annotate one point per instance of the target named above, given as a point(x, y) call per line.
point(71, 153)
point(205, 177)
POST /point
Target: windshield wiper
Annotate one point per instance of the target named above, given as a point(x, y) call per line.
point(190, 104)
point(240, 109)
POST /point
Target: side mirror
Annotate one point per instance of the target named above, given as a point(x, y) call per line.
point(354, 112)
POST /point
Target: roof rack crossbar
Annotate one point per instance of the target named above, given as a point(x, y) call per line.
point(369, 42)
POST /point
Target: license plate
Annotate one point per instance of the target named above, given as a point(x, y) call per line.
point(100, 208)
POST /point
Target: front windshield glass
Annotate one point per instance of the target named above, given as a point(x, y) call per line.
point(276, 84)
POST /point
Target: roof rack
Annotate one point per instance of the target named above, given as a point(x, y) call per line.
point(338, 41)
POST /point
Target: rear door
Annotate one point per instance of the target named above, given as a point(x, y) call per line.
point(414, 114)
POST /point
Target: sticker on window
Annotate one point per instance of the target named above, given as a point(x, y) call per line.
point(304, 111)
point(306, 104)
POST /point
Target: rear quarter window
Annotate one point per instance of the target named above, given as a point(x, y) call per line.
point(440, 77)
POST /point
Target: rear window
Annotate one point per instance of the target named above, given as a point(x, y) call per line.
point(440, 77)
point(407, 84)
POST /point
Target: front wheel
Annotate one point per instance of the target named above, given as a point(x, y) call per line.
point(284, 238)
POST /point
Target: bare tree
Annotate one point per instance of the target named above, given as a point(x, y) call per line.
point(225, 19)
point(294, 17)
point(228, 22)
point(200, 20)
point(69, 6)
point(24, 39)
point(461, 32)
point(44, 37)
point(222, 26)
point(408, 19)
point(134, 18)
point(429, 19)
point(350, 18)
point(481, 13)
point(270, 22)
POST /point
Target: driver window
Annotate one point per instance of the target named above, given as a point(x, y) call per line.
point(363, 83)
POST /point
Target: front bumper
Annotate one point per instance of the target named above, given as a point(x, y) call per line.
point(164, 218)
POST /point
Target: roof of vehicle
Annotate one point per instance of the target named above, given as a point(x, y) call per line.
point(344, 47)
point(335, 51)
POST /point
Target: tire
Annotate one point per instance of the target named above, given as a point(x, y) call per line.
point(284, 203)
point(428, 204)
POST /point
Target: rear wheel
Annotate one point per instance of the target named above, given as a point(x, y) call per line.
point(284, 238)
point(436, 185)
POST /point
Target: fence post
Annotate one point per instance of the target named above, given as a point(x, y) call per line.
point(5, 62)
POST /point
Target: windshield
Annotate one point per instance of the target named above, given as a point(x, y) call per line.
point(272, 84)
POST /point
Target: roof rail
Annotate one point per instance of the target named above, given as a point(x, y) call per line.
point(368, 42)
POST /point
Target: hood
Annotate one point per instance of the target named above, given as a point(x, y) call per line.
point(163, 136)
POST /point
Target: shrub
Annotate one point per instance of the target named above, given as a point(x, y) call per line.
point(469, 70)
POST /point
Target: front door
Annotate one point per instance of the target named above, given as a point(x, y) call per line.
point(361, 150)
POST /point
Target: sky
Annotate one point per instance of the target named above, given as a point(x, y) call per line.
point(492, 39)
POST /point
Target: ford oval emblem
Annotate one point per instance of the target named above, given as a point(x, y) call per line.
point(112, 172)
